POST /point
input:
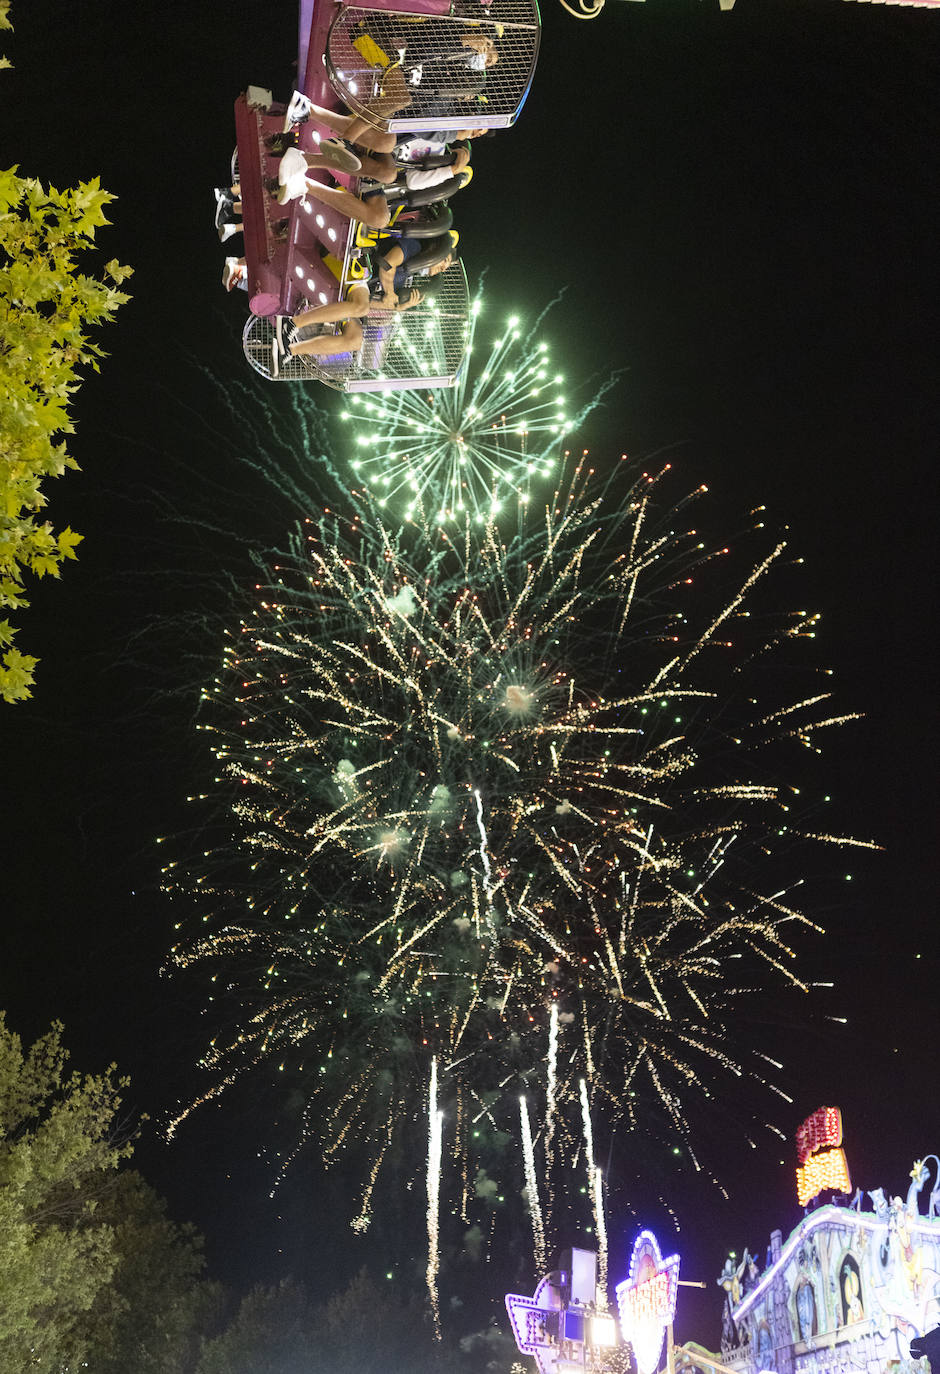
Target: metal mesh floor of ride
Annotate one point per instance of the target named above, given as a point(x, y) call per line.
point(422, 347)
point(407, 71)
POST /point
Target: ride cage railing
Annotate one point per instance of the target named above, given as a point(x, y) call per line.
point(421, 347)
point(417, 71)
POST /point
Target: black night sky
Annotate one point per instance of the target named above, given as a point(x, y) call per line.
point(742, 210)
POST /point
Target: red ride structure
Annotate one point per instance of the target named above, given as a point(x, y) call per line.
point(304, 253)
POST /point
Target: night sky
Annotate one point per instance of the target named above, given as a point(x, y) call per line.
point(742, 211)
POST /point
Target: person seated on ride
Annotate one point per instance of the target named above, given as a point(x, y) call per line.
point(292, 180)
point(293, 337)
point(396, 262)
point(359, 129)
point(444, 172)
point(429, 66)
point(457, 73)
point(435, 53)
point(371, 209)
point(381, 154)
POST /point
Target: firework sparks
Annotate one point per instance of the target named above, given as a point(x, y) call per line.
point(484, 791)
point(469, 449)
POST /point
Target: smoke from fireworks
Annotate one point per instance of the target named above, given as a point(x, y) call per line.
point(513, 805)
point(473, 448)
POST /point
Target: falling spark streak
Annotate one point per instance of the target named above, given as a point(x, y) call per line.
point(600, 1226)
point(484, 857)
point(365, 916)
point(551, 1080)
point(435, 1142)
point(532, 1188)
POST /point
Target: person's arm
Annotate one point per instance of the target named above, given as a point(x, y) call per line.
point(387, 265)
point(418, 177)
point(412, 298)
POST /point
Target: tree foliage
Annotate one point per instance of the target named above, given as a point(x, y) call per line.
point(272, 1332)
point(60, 1143)
point(47, 307)
point(157, 1309)
point(364, 1328)
point(367, 1327)
point(5, 24)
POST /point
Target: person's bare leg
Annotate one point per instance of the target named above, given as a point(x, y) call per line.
point(373, 213)
point(395, 96)
point(329, 344)
point(381, 167)
point(355, 306)
point(376, 140)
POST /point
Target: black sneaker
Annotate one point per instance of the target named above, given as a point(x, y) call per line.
point(279, 143)
point(284, 331)
point(298, 110)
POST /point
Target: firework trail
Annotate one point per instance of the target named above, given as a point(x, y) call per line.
point(435, 1143)
point(481, 791)
point(532, 1187)
point(600, 1228)
point(471, 449)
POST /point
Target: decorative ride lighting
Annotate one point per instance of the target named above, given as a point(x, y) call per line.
point(822, 1164)
point(564, 1324)
point(647, 1300)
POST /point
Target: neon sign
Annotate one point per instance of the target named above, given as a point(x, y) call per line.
point(647, 1300)
point(561, 1320)
point(822, 1163)
point(535, 1323)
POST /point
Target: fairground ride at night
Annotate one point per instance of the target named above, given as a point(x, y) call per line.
point(402, 67)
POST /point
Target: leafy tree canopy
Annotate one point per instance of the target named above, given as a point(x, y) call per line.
point(60, 1143)
point(368, 1328)
point(47, 307)
point(157, 1309)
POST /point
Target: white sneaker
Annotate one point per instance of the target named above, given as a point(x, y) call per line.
point(297, 110)
point(279, 351)
point(234, 273)
point(292, 164)
point(292, 176)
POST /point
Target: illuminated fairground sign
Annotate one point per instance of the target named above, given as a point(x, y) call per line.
point(535, 1323)
point(560, 1325)
point(647, 1300)
point(822, 1163)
